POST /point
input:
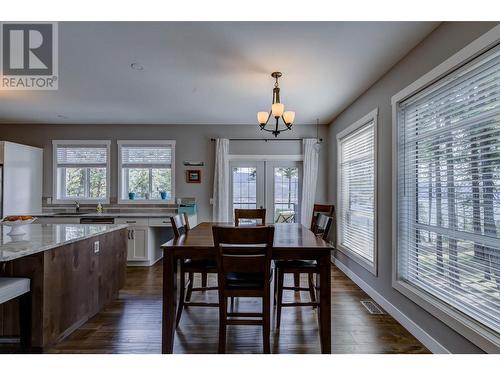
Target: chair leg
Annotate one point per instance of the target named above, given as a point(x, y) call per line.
point(312, 287)
point(266, 323)
point(281, 277)
point(222, 324)
point(204, 279)
point(25, 310)
point(182, 290)
point(296, 279)
point(190, 287)
point(275, 291)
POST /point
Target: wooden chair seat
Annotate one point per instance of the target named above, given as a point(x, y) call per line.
point(199, 265)
point(301, 264)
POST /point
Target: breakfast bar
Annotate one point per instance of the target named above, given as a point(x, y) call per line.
point(74, 270)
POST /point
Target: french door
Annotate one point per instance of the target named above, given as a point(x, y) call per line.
point(272, 184)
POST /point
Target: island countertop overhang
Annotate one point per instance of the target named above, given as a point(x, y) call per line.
point(43, 237)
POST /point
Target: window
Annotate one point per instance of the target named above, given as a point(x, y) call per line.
point(448, 197)
point(356, 191)
point(81, 171)
point(146, 172)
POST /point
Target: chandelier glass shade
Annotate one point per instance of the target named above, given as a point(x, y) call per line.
point(277, 111)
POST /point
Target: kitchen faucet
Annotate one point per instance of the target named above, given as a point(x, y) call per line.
point(77, 206)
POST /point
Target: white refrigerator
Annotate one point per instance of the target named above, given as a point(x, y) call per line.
point(21, 171)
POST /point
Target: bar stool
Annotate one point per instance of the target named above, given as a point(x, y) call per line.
point(310, 267)
point(180, 226)
point(12, 288)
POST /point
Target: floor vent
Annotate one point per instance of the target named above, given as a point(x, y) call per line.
point(372, 307)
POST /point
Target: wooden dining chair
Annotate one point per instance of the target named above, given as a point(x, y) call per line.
point(327, 209)
point(244, 271)
point(180, 226)
point(309, 267)
point(19, 288)
point(250, 214)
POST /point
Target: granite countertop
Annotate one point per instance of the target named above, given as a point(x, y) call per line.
point(42, 237)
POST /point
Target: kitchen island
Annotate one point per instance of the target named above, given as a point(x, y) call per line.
point(75, 270)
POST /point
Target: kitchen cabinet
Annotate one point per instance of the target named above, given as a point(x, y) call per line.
point(137, 243)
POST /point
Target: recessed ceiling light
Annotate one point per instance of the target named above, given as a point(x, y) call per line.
point(136, 66)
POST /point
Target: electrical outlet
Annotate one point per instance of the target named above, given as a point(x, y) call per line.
point(96, 247)
point(211, 201)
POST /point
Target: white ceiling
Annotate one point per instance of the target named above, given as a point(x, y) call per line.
point(211, 72)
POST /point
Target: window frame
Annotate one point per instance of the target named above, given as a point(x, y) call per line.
point(350, 130)
point(122, 143)
point(55, 182)
point(481, 336)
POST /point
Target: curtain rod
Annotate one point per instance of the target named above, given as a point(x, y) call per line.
point(266, 139)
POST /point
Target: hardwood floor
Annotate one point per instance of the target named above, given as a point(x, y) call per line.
point(132, 324)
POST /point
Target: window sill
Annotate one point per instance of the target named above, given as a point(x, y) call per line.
point(371, 267)
point(473, 331)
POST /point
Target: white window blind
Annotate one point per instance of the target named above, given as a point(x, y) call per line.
point(448, 213)
point(76, 156)
point(147, 156)
point(357, 192)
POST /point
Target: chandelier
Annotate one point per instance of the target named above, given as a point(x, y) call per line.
point(277, 111)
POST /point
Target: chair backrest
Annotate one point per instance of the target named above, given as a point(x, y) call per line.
point(255, 214)
point(322, 225)
point(327, 209)
point(180, 224)
point(244, 250)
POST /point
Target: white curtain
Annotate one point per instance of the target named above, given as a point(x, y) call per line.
point(310, 177)
point(221, 181)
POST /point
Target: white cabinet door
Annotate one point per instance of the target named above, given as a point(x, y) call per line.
point(137, 243)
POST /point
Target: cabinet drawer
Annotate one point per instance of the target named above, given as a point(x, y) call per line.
point(159, 222)
point(132, 221)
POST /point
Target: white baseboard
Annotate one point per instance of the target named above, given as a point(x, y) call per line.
point(421, 335)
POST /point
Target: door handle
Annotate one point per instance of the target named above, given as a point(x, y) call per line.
point(133, 233)
point(128, 234)
point(130, 221)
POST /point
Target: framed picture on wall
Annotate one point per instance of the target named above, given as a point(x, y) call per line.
point(193, 176)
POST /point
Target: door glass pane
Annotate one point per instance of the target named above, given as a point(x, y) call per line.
point(244, 187)
point(286, 194)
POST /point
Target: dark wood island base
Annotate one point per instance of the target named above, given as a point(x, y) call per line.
point(70, 284)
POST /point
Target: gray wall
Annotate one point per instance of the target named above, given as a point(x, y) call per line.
point(192, 143)
point(437, 47)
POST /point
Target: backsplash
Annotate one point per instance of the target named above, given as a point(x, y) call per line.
point(111, 207)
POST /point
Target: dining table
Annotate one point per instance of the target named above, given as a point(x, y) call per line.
point(292, 241)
